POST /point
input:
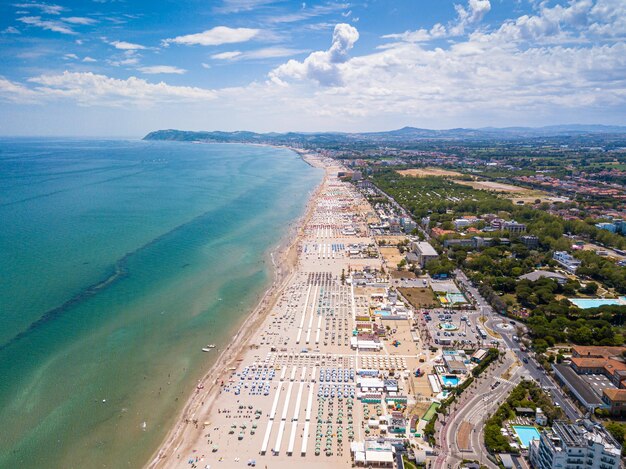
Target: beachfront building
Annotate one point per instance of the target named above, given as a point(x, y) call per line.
point(574, 446)
point(372, 452)
point(365, 341)
point(566, 260)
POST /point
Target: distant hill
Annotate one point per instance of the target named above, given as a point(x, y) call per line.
point(405, 134)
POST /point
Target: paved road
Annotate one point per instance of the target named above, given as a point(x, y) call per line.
point(533, 368)
point(474, 405)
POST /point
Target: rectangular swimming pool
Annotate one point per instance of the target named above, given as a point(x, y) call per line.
point(449, 381)
point(586, 303)
point(526, 433)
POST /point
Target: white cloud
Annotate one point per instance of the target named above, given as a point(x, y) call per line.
point(123, 45)
point(236, 6)
point(482, 75)
point(124, 62)
point(321, 66)
point(467, 16)
point(71, 56)
point(216, 36)
point(557, 24)
point(263, 53)
point(11, 30)
point(87, 88)
point(89, 59)
point(47, 8)
point(226, 55)
point(17, 92)
point(49, 25)
point(205, 65)
point(161, 69)
point(524, 70)
point(307, 12)
point(79, 20)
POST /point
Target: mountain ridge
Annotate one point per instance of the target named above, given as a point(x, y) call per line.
point(404, 134)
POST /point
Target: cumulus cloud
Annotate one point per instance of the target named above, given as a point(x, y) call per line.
point(216, 36)
point(88, 88)
point(11, 30)
point(49, 25)
point(544, 66)
point(323, 67)
point(89, 59)
point(17, 92)
point(161, 69)
point(467, 16)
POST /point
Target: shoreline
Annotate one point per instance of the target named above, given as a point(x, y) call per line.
point(284, 259)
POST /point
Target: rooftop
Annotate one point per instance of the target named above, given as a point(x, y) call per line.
point(426, 249)
point(537, 274)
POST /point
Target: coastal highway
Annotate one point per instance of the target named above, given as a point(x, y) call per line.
point(474, 406)
point(533, 368)
point(537, 372)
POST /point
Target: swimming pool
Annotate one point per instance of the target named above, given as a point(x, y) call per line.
point(586, 303)
point(526, 433)
point(449, 380)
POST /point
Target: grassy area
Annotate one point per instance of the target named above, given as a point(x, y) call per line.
point(409, 464)
point(419, 297)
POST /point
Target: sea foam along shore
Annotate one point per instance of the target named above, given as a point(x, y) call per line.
point(284, 260)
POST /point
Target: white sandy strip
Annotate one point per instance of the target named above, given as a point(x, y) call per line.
point(270, 424)
point(308, 332)
point(319, 329)
point(279, 436)
point(353, 304)
point(266, 438)
point(306, 303)
point(296, 412)
point(307, 422)
point(275, 403)
point(283, 418)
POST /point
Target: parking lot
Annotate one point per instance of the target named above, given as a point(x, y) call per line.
point(447, 326)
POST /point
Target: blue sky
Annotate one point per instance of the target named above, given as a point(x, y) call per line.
point(123, 68)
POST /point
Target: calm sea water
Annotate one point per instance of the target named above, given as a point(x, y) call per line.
point(119, 260)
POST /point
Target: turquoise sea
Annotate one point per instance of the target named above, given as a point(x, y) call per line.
point(119, 260)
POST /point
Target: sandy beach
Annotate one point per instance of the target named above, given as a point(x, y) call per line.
point(286, 389)
point(284, 259)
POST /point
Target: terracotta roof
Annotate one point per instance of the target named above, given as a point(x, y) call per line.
point(597, 351)
point(615, 395)
point(609, 365)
